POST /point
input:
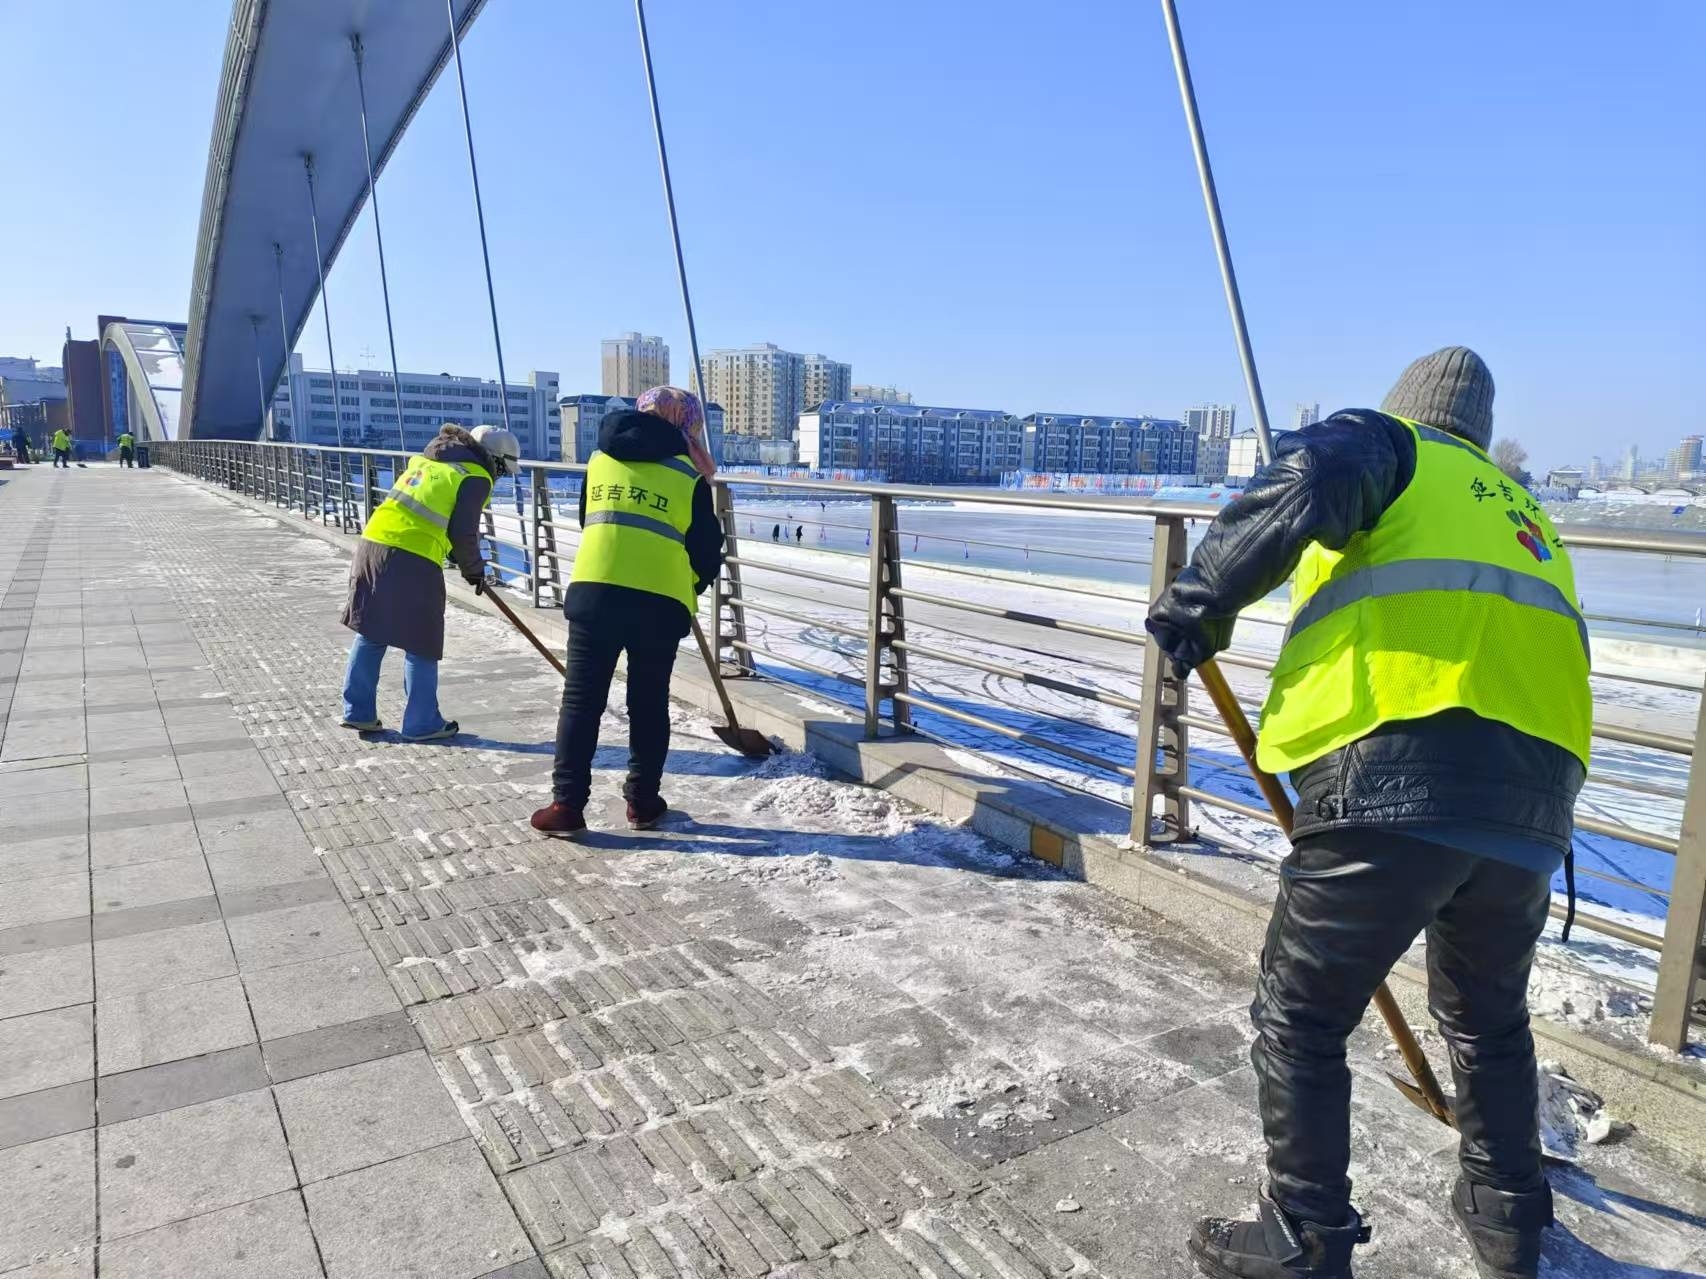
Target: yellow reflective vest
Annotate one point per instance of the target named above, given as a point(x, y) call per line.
point(635, 534)
point(127, 440)
point(62, 439)
point(415, 515)
point(1462, 596)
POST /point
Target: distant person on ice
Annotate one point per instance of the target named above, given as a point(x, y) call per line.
point(62, 449)
point(651, 542)
point(799, 533)
point(396, 581)
point(1431, 705)
point(776, 533)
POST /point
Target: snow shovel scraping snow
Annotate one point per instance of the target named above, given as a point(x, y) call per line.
point(748, 741)
point(1424, 1091)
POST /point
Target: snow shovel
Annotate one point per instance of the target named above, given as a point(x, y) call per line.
point(748, 741)
point(1425, 1090)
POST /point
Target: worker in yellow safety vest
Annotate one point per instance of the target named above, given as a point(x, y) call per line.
point(396, 592)
point(1431, 705)
point(651, 542)
point(62, 449)
point(126, 449)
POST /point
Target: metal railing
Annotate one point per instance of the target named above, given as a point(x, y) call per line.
point(888, 633)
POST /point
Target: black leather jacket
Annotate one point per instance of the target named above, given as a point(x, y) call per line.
point(1327, 483)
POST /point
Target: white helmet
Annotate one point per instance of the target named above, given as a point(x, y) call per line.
point(501, 446)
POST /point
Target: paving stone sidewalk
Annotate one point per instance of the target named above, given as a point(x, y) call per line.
point(277, 1001)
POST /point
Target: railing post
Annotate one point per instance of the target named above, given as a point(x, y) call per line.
point(884, 623)
point(1683, 959)
point(1163, 763)
point(529, 531)
point(369, 488)
point(544, 535)
point(728, 587)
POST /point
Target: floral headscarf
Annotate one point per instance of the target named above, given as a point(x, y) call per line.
point(682, 410)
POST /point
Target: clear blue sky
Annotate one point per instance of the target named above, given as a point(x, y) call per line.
point(992, 204)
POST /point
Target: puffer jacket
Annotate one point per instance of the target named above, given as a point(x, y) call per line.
point(1327, 483)
point(396, 597)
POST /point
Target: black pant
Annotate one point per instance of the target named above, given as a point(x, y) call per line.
point(1350, 903)
point(62, 457)
point(126, 458)
point(593, 650)
point(23, 452)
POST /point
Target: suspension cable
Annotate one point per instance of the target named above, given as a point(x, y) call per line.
point(379, 239)
point(325, 306)
point(674, 225)
point(284, 343)
point(260, 380)
point(486, 259)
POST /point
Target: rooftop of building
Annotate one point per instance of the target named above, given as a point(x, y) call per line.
point(1143, 421)
point(902, 409)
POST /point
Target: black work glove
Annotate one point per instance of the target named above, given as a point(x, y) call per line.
point(1188, 641)
point(476, 578)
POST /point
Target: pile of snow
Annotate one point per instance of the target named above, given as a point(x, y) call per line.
point(796, 787)
point(1570, 1114)
point(1580, 999)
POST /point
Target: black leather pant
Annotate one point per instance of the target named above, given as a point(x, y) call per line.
point(1350, 903)
point(593, 651)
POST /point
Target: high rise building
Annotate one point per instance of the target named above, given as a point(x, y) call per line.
point(1596, 470)
point(1684, 459)
point(1305, 415)
point(363, 408)
point(912, 443)
point(1212, 425)
point(1631, 466)
point(633, 363)
point(764, 389)
point(881, 394)
point(823, 379)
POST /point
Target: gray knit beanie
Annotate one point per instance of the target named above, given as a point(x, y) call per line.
point(1451, 389)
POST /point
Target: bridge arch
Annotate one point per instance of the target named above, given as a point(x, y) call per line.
point(154, 377)
point(288, 90)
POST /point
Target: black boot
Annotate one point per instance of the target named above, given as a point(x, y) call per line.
point(1504, 1229)
point(1274, 1246)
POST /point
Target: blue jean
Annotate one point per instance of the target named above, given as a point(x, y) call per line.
point(420, 688)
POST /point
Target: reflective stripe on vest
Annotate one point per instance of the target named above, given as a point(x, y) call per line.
point(635, 531)
point(415, 515)
point(630, 520)
point(1460, 597)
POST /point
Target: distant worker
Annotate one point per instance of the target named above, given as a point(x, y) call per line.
point(1431, 704)
point(776, 533)
point(799, 533)
point(21, 445)
point(396, 583)
point(651, 542)
point(62, 449)
point(126, 449)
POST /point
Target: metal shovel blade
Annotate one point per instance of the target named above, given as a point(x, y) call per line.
point(1419, 1098)
point(748, 741)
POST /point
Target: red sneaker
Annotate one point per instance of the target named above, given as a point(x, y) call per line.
point(644, 814)
point(560, 819)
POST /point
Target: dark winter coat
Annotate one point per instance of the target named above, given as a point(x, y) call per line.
point(629, 436)
point(396, 597)
point(1326, 483)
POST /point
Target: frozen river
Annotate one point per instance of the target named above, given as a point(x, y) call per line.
point(1115, 549)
